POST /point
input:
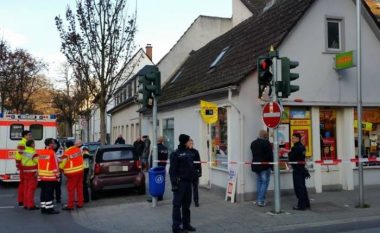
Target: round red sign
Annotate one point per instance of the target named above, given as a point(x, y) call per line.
point(272, 114)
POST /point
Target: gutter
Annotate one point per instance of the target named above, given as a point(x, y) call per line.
point(241, 176)
point(202, 94)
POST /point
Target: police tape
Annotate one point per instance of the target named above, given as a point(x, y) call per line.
point(325, 162)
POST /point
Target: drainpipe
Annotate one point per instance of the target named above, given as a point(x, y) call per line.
point(241, 176)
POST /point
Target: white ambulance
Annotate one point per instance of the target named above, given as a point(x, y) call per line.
point(11, 127)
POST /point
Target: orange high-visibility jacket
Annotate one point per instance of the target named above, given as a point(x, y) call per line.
point(72, 160)
point(47, 165)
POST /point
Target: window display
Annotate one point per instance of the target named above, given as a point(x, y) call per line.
point(328, 133)
point(294, 120)
point(370, 134)
point(219, 140)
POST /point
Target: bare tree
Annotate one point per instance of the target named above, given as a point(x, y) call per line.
point(98, 42)
point(19, 79)
point(4, 56)
point(72, 100)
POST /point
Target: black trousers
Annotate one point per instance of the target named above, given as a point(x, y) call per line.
point(57, 188)
point(47, 194)
point(181, 203)
point(86, 195)
point(195, 190)
point(300, 188)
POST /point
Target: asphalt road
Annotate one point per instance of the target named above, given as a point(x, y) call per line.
point(124, 211)
point(15, 220)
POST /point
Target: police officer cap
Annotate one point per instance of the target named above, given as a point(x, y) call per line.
point(297, 135)
point(183, 139)
point(69, 143)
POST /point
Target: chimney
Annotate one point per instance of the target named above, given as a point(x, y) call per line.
point(148, 51)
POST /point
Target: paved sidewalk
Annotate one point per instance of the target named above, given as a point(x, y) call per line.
point(217, 215)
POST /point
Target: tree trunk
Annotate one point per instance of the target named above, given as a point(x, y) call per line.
point(69, 129)
point(103, 123)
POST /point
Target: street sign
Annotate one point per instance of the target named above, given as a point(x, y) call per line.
point(344, 60)
point(83, 123)
point(272, 114)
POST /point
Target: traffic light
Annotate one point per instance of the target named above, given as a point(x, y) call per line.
point(145, 93)
point(154, 79)
point(284, 86)
point(265, 75)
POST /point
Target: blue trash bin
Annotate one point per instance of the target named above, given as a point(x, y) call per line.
point(157, 181)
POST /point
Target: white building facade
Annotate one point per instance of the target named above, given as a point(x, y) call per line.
point(323, 110)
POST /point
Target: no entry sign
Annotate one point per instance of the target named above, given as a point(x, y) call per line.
point(272, 114)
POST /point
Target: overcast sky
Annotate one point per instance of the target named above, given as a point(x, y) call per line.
point(29, 24)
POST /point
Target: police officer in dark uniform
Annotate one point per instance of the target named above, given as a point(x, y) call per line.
point(297, 154)
point(181, 176)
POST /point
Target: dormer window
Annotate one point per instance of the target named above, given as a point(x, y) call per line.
point(218, 58)
point(176, 77)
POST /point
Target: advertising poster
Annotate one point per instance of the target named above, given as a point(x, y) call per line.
point(305, 131)
point(283, 136)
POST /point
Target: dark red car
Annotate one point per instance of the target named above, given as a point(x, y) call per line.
point(116, 167)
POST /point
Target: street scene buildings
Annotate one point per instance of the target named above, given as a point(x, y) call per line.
point(219, 60)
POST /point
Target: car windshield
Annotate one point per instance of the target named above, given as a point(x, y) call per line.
point(117, 155)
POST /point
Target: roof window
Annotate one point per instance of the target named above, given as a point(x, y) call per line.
point(176, 77)
point(269, 5)
point(218, 58)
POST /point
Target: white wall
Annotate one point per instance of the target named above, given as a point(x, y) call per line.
point(239, 12)
point(203, 30)
point(123, 118)
point(318, 81)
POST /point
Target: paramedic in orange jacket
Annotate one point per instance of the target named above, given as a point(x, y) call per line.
point(26, 135)
point(29, 168)
point(48, 173)
point(72, 166)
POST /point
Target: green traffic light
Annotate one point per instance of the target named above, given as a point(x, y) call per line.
point(284, 86)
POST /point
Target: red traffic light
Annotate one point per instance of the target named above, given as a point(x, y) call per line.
point(265, 64)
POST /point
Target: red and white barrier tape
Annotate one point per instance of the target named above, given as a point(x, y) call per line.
point(320, 162)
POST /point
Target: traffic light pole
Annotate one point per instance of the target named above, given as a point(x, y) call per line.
point(277, 199)
point(154, 140)
point(359, 102)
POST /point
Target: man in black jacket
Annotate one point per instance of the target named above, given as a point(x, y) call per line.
point(139, 146)
point(120, 139)
point(262, 152)
point(197, 172)
point(181, 176)
point(297, 154)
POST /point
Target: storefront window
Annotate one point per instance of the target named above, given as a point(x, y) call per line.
point(294, 120)
point(328, 133)
point(219, 140)
point(370, 134)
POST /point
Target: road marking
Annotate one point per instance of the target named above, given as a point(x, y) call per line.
point(7, 207)
point(7, 195)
